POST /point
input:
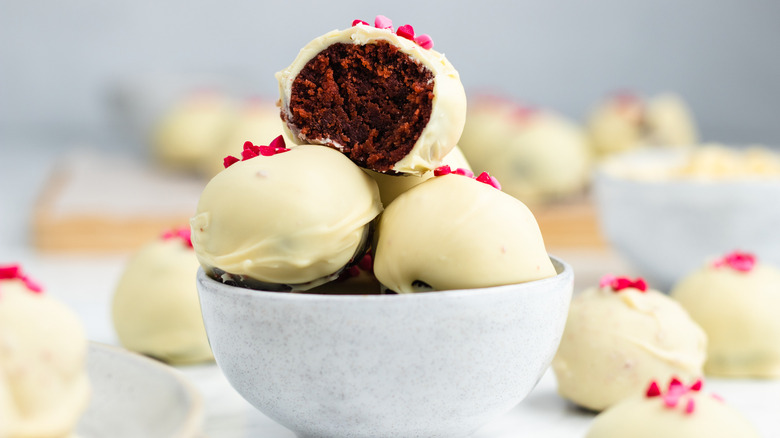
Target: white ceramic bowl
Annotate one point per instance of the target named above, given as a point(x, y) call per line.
point(437, 364)
point(667, 227)
point(134, 396)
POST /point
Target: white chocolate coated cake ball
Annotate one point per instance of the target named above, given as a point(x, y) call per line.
point(155, 308)
point(292, 219)
point(453, 232)
point(537, 155)
point(679, 411)
point(621, 335)
point(192, 129)
point(736, 301)
point(44, 387)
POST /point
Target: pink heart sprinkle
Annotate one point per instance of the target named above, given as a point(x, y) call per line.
point(424, 41)
point(382, 22)
point(696, 385)
point(229, 161)
point(737, 260)
point(356, 22)
point(31, 285)
point(671, 399)
point(606, 281)
point(653, 390)
point(406, 31)
point(183, 233)
point(464, 172)
point(442, 170)
point(690, 406)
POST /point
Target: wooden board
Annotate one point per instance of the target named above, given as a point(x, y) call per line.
point(93, 202)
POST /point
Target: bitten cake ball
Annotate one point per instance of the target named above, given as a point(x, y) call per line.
point(673, 411)
point(621, 335)
point(155, 307)
point(44, 387)
point(284, 219)
point(537, 155)
point(736, 300)
point(457, 232)
point(381, 96)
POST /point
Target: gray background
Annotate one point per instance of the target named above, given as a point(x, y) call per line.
point(73, 68)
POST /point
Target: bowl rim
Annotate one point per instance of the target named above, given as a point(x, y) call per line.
point(664, 158)
point(564, 273)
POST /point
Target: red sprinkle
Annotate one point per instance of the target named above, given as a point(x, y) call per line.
point(366, 263)
point(183, 233)
point(406, 31)
point(356, 22)
point(737, 260)
point(484, 177)
point(617, 284)
point(229, 161)
point(675, 392)
point(14, 272)
point(653, 390)
point(278, 143)
point(442, 170)
point(464, 172)
point(382, 22)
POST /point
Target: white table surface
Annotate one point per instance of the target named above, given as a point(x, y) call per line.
point(86, 284)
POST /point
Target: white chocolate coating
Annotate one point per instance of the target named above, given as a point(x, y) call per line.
point(448, 112)
point(453, 232)
point(192, 129)
point(718, 162)
point(257, 121)
point(738, 311)
point(626, 122)
point(536, 154)
point(44, 387)
point(615, 343)
point(290, 218)
point(615, 125)
point(390, 186)
point(155, 307)
point(641, 417)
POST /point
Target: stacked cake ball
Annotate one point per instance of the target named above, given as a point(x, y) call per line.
point(366, 104)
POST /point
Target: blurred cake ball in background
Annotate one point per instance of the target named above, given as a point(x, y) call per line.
point(676, 410)
point(257, 119)
point(537, 154)
point(618, 337)
point(192, 128)
point(155, 307)
point(44, 387)
point(736, 300)
point(626, 121)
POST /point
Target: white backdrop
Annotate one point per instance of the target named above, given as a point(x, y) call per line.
point(60, 61)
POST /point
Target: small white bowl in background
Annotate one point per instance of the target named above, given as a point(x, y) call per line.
point(667, 226)
point(435, 364)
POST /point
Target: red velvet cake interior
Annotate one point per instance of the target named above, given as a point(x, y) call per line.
point(372, 99)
